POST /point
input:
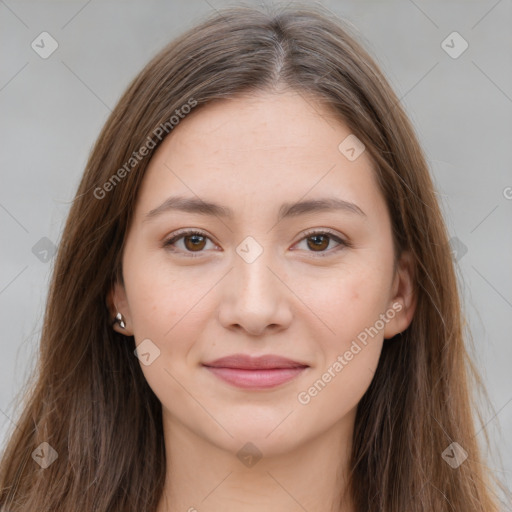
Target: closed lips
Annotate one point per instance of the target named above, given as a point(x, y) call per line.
point(255, 373)
point(244, 362)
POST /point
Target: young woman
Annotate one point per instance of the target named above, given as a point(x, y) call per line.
point(254, 305)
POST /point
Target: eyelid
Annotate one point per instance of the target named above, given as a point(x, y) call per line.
point(323, 231)
point(187, 231)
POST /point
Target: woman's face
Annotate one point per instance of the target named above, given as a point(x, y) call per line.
point(315, 285)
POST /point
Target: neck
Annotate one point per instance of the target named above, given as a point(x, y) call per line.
point(203, 477)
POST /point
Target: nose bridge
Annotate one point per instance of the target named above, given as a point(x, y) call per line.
point(254, 297)
point(252, 272)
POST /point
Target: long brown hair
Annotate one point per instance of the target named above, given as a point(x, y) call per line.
point(89, 399)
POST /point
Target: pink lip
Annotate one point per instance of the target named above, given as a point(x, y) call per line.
point(255, 372)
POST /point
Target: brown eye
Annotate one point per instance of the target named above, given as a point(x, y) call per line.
point(193, 242)
point(320, 242)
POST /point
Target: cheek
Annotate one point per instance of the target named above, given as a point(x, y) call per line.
point(352, 307)
point(350, 301)
point(350, 354)
point(163, 300)
point(166, 308)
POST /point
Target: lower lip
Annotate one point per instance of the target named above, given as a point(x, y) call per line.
point(256, 379)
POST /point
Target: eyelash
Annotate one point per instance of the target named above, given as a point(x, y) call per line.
point(321, 254)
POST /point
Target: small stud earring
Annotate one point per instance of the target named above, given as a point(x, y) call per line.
point(120, 319)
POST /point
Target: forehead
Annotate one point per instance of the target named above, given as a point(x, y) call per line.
point(260, 122)
point(258, 149)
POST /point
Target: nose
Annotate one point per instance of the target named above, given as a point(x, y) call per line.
point(255, 298)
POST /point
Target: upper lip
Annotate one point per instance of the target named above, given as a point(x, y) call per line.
point(245, 362)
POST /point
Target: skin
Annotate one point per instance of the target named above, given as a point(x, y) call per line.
point(252, 154)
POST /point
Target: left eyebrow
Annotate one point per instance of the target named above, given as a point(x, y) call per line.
point(202, 207)
point(318, 205)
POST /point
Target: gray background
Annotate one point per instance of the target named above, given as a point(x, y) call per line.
point(53, 109)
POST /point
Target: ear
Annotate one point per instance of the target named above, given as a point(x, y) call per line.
point(117, 302)
point(403, 296)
